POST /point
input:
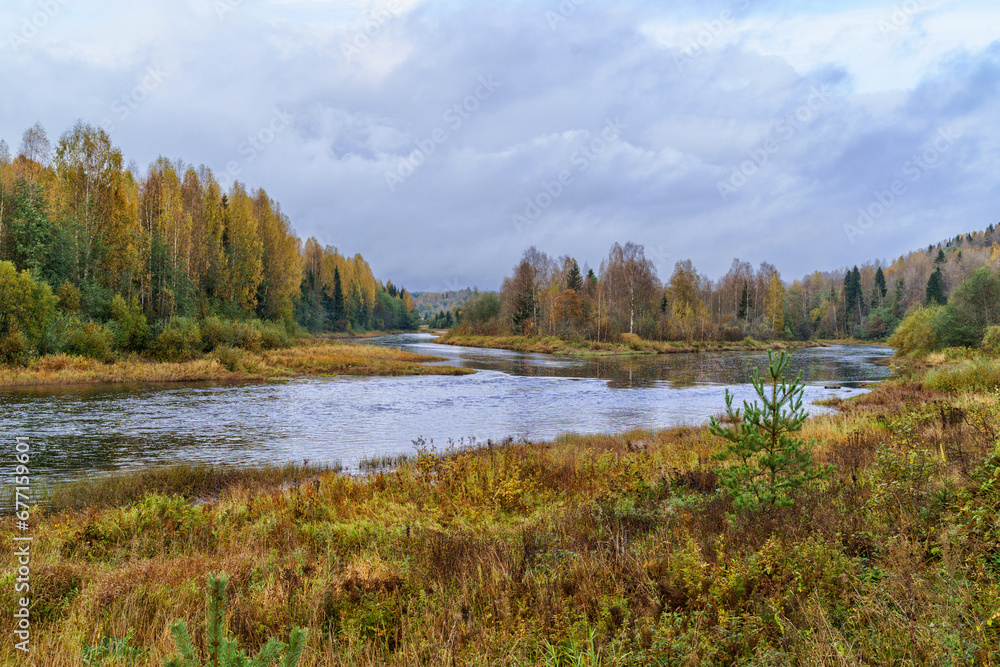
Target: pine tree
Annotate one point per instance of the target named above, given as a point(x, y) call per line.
point(573, 279)
point(880, 289)
point(935, 288)
point(338, 297)
point(744, 303)
point(940, 259)
point(770, 464)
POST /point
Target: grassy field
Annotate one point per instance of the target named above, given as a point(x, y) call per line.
point(308, 357)
point(630, 345)
point(610, 550)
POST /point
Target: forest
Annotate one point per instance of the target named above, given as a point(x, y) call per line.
point(99, 259)
point(555, 297)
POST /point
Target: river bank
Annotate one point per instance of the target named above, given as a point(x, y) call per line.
point(595, 549)
point(308, 357)
point(631, 345)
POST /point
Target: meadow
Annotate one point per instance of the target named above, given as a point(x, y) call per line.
point(588, 550)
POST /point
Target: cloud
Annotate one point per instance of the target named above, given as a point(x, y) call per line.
point(813, 109)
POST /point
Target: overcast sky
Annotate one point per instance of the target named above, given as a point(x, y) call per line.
point(441, 138)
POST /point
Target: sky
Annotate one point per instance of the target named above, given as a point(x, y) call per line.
point(441, 138)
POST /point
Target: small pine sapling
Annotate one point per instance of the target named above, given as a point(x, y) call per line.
point(222, 651)
point(769, 463)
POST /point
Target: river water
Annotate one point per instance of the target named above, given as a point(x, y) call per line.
point(83, 431)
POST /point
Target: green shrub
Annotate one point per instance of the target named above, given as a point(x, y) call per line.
point(89, 339)
point(972, 375)
point(69, 298)
point(14, 348)
point(180, 340)
point(128, 324)
point(916, 335)
point(216, 333)
point(991, 340)
point(274, 336)
point(254, 335)
point(27, 310)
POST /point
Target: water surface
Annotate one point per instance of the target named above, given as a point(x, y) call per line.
point(82, 431)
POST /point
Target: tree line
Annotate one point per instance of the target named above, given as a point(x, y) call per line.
point(81, 234)
point(544, 295)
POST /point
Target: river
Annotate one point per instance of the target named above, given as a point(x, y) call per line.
point(92, 430)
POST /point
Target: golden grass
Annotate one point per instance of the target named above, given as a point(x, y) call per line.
point(630, 345)
point(311, 357)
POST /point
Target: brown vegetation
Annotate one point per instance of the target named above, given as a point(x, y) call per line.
point(610, 549)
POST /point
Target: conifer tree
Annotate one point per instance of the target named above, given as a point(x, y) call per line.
point(935, 288)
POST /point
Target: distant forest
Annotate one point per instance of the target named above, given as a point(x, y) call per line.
point(94, 254)
point(552, 296)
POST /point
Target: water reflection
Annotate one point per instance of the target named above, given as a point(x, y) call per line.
point(81, 431)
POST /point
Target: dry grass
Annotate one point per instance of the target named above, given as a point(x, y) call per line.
point(311, 357)
point(630, 345)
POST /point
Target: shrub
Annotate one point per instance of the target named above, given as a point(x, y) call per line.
point(991, 340)
point(770, 462)
point(632, 342)
point(180, 340)
point(69, 298)
point(14, 348)
point(89, 339)
point(216, 333)
point(27, 310)
point(128, 324)
point(247, 336)
point(916, 335)
point(231, 358)
point(274, 336)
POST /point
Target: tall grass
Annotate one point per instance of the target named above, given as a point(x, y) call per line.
point(228, 364)
point(606, 549)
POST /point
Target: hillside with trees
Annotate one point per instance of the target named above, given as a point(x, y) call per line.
point(550, 296)
point(97, 258)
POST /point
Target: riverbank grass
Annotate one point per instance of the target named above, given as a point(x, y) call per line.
point(313, 357)
point(605, 549)
point(629, 344)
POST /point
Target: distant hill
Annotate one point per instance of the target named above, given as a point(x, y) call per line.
point(431, 303)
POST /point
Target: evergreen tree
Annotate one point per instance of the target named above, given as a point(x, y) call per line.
point(852, 296)
point(573, 279)
point(770, 463)
point(935, 288)
point(339, 313)
point(940, 259)
point(744, 303)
